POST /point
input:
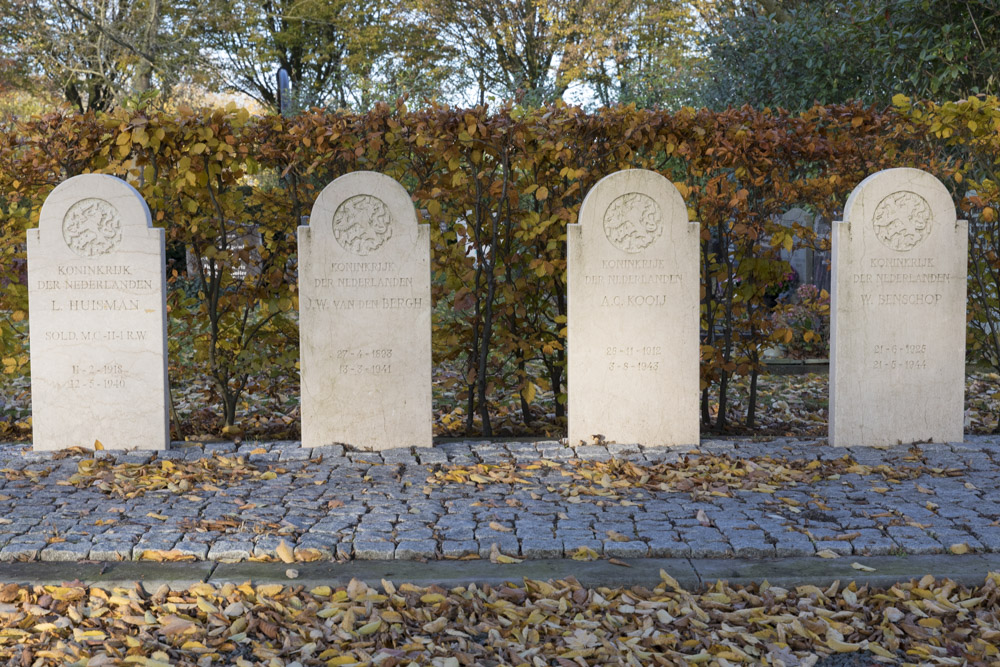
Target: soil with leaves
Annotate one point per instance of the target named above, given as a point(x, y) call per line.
point(930, 621)
point(788, 405)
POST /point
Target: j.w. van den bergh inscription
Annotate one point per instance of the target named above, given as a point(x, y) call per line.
point(364, 318)
point(633, 314)
point(898, 306)
point(362, 224)
point(97, 310)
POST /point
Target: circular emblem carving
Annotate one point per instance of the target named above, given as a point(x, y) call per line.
point(362, 224)
point(902, 220)
point(92, 228)
point(633, 222)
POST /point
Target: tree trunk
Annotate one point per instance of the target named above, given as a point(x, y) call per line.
point(752, 401)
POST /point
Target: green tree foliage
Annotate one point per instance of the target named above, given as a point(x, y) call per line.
point(98, 53)
point(796, 53)
point(536, 50)
point(340, 53)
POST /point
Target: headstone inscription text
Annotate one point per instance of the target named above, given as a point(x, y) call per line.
point(898, 313)
point(97, 316)
point(364, 320)
point(633, 290)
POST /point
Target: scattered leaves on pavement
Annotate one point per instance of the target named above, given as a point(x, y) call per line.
point(131, 480)
point(699, 475)
point(931, 621)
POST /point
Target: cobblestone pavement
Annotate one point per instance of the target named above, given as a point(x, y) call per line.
point(379, 506)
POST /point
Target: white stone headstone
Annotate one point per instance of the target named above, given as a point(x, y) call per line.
point(897, 354)
point(97, 316)
point(365, 317)
point(633, 314)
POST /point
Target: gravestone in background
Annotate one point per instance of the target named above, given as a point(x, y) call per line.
point(897, 354)
point(97, 316)
point(365, 317)
point(633, 314)
point(800, 259)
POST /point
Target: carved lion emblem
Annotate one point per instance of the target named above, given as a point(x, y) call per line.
point(633, 222)
point(362, 224)
point(902, 220)
point(92, 227)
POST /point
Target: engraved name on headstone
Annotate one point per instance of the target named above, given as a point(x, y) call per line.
point(898, 306)
point(364, 317)
point(97, 315)
point(633, 320)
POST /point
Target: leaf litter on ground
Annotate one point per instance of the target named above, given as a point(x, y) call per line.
point(558, 622)
point(789, 405)
point(698, 474)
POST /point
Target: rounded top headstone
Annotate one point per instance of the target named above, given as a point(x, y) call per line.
point(900, 207)
point(91, 213)
point(633, 207)
point(365, 211)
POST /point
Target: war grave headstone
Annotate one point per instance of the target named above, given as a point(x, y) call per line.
point(365, 317)
point(97, 316)
point(898, 313)
point(633, 318)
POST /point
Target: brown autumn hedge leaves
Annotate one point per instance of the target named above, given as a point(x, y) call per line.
point(497, 185)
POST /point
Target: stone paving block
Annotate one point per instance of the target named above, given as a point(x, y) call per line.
point(571, 547)
point(107, 551)
point(951, 537)
point(556, 452)
point(913, 540)
point(872, 542)
point(154, 542)
point(189, 548)
point(710, 549)
point(789, 543)
point(22, 549)
point(718, 447)
point(488, 534)
point(430, 456)
point(307, 548)
point(633, 549)
point(668, 546)
point(230, 551)
point(66, 551)
point(508, 545)
point(593, 453)
point(541, 547)
point(457, 534)
point(625, 451)
point(840, 547)
point(750, 544)
point(459, 548)
point(415, 549)
point(414, 534)
point(396, 456)
point(366, 549)
point(988, 536)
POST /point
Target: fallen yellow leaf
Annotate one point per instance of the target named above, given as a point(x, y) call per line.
point(285, 552)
